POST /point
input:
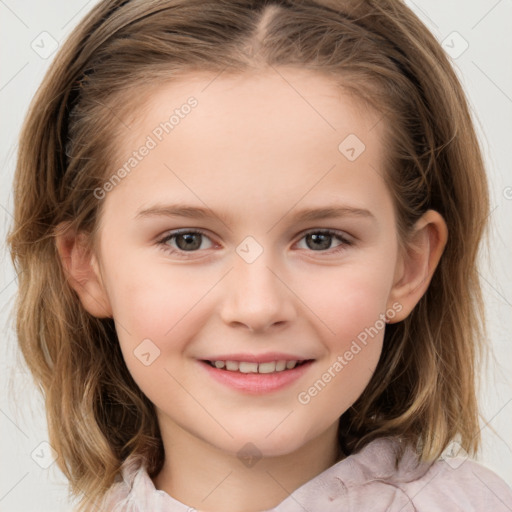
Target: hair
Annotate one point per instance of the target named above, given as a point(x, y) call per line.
point(424, 387)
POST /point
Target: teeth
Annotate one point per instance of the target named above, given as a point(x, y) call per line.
point(280, 366)
point(267, 367)
point(232, 366)
point(247, 367)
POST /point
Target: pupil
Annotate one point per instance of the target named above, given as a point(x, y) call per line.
point(323, 240)
point(191, 241)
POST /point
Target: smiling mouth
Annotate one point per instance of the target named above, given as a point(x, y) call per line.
point(252, 367)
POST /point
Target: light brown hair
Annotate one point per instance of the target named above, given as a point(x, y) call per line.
point(424, 386)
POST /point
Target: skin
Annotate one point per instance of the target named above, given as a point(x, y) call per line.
point(255, 152)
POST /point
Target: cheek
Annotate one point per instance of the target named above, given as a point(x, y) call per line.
point(351, 306)
point(152, 301)
point(349, 301)
point(157, 311)
point(155, 322)
point(354, 313)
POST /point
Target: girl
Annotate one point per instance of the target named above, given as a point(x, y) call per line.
point(246, 235)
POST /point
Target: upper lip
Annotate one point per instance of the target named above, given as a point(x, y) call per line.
point(260, 358)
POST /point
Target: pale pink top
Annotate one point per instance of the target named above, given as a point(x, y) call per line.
point(363, 482)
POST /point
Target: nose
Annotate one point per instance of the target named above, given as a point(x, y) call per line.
point(256, 297)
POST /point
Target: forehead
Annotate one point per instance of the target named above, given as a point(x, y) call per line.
point(284, 101)
point(254, 135)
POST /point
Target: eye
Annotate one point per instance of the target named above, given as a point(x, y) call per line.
point(185, 241)
point(321, 240)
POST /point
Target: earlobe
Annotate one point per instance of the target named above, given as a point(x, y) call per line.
point(82, 271)
point(418, 261)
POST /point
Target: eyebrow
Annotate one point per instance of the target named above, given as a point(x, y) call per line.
point(305, 215)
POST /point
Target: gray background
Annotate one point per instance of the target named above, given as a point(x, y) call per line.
point(30, 30)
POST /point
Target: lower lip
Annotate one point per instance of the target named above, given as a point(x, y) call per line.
point(257, 383)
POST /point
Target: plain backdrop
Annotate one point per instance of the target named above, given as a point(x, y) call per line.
point(478, 38)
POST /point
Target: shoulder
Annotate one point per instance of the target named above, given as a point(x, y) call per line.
point(460, 483)
point(454, 483)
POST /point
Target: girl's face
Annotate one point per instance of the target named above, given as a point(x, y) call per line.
point(252, 171)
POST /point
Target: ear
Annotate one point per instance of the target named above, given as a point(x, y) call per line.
point(82, 270)
point(417, 262)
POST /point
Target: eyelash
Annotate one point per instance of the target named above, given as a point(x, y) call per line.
point(163, 243)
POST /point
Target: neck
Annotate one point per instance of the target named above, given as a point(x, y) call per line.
point(208, 479)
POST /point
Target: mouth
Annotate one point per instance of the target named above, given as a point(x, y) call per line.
point(277, 366)
point(261, 375)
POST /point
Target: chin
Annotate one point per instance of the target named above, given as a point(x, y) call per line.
point(264, 445)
